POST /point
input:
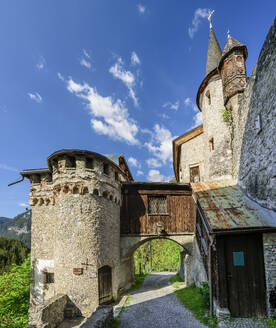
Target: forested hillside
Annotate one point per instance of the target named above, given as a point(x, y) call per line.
point(19, 227)
point(14, 296)
point(157, 255)
point(12, 251)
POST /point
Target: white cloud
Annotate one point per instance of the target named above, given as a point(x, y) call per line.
point(141, 8)
point(135, 60)
point(153, 162)
point(140, 173)
point(156, 176)
point(35, 96)
point(86, 54)
point(85, 63)
point(173, 106)
point(23, 205)
point(126, 77)
point(197, 118)
point(198, 15)
point(8, 168)
point(60, 76)
point(112, 116)
point(41, 63)
point(133, 161)
point(161, 144)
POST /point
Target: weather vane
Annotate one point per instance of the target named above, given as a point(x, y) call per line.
point(210, 17)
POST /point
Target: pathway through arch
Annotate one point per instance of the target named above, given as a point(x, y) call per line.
point(155, 305)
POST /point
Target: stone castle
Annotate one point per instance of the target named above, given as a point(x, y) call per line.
point(89, 216)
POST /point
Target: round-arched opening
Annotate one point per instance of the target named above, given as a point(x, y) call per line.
point(157, 255)
point(96, 192)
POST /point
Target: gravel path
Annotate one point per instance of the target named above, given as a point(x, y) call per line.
point(156, 306)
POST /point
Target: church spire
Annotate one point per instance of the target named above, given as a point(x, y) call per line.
point(214, 50)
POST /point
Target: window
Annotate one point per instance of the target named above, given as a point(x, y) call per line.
point(89, 164)
point(194, 174)
point(207, 94)
point(71, 162)
point(157, 205)
point(116, 176)
point(106, 169)
point(211, 143)
point(49, 278)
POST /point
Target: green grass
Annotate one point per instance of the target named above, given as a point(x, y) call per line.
point(139, 279)
point(195, 299)
point(271, 323)
point(177, 282)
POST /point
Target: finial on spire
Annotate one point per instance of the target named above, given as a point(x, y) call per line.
point(210, 17)
point(228, 33)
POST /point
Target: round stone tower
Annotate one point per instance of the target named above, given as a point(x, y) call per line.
point(232, 68)
point(217, 139)
point(76, 227)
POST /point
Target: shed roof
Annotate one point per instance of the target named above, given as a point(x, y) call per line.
point(226, 207)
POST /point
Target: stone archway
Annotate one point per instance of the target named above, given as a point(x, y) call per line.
point(129, 244)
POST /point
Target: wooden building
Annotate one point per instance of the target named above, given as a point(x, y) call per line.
point(229, 233)
point(157, 208)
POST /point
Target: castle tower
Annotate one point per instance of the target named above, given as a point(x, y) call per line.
point(232, 68)
point(233, 74)
point(217, 137)
point(76, 228)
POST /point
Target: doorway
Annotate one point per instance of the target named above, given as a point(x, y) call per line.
point(245, 275)
point(105, 284)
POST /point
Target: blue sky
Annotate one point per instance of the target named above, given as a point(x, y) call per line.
point(107, 76)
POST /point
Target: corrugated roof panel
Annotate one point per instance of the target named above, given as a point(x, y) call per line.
point(225, 208)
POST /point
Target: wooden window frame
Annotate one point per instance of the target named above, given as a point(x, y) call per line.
point(192, 167)
point(157, 213)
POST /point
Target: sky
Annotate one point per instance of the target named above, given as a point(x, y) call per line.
point(113, 77)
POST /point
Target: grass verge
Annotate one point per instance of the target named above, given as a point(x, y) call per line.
point(271, 323)
point(196, 300)
point(176, 281)
point(139, 279)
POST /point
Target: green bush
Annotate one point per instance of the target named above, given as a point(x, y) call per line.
point(14, 296)
point(226, 114)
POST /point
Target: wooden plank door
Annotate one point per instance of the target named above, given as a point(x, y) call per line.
point(105, 284)
point(245, 275)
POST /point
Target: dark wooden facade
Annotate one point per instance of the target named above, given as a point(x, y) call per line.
point(135, 215)
point(234, 264)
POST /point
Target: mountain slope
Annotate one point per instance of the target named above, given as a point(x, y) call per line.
point(18, 228)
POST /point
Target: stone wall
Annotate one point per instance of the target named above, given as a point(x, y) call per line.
point(257, 170)
point(191, 154)
point(76, 220)
point(50, 314)
point(269, 244)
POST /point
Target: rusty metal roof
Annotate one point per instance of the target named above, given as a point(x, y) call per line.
point(225, 207)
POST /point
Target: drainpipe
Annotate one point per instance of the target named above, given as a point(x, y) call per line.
point(210, 277)
point(10, 184)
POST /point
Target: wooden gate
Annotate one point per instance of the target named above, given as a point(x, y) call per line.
point(105, 284)
point(245, 275)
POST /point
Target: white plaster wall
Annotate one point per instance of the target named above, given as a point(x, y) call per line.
point(192, 154)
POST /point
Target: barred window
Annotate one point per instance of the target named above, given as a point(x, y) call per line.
point(49, 278)
point(157, 204)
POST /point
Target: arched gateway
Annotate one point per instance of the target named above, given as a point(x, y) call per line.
point(89, 216)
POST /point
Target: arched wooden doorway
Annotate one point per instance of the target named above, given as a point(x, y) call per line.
point(105, 284)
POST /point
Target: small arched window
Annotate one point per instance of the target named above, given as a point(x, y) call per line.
point(85, 190)
point(96, 192)
point(208, 96)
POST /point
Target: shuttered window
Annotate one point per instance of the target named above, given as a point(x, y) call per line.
point(157, 205)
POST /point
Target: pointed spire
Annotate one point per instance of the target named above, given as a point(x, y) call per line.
point(232, 43)
point(214, 52)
